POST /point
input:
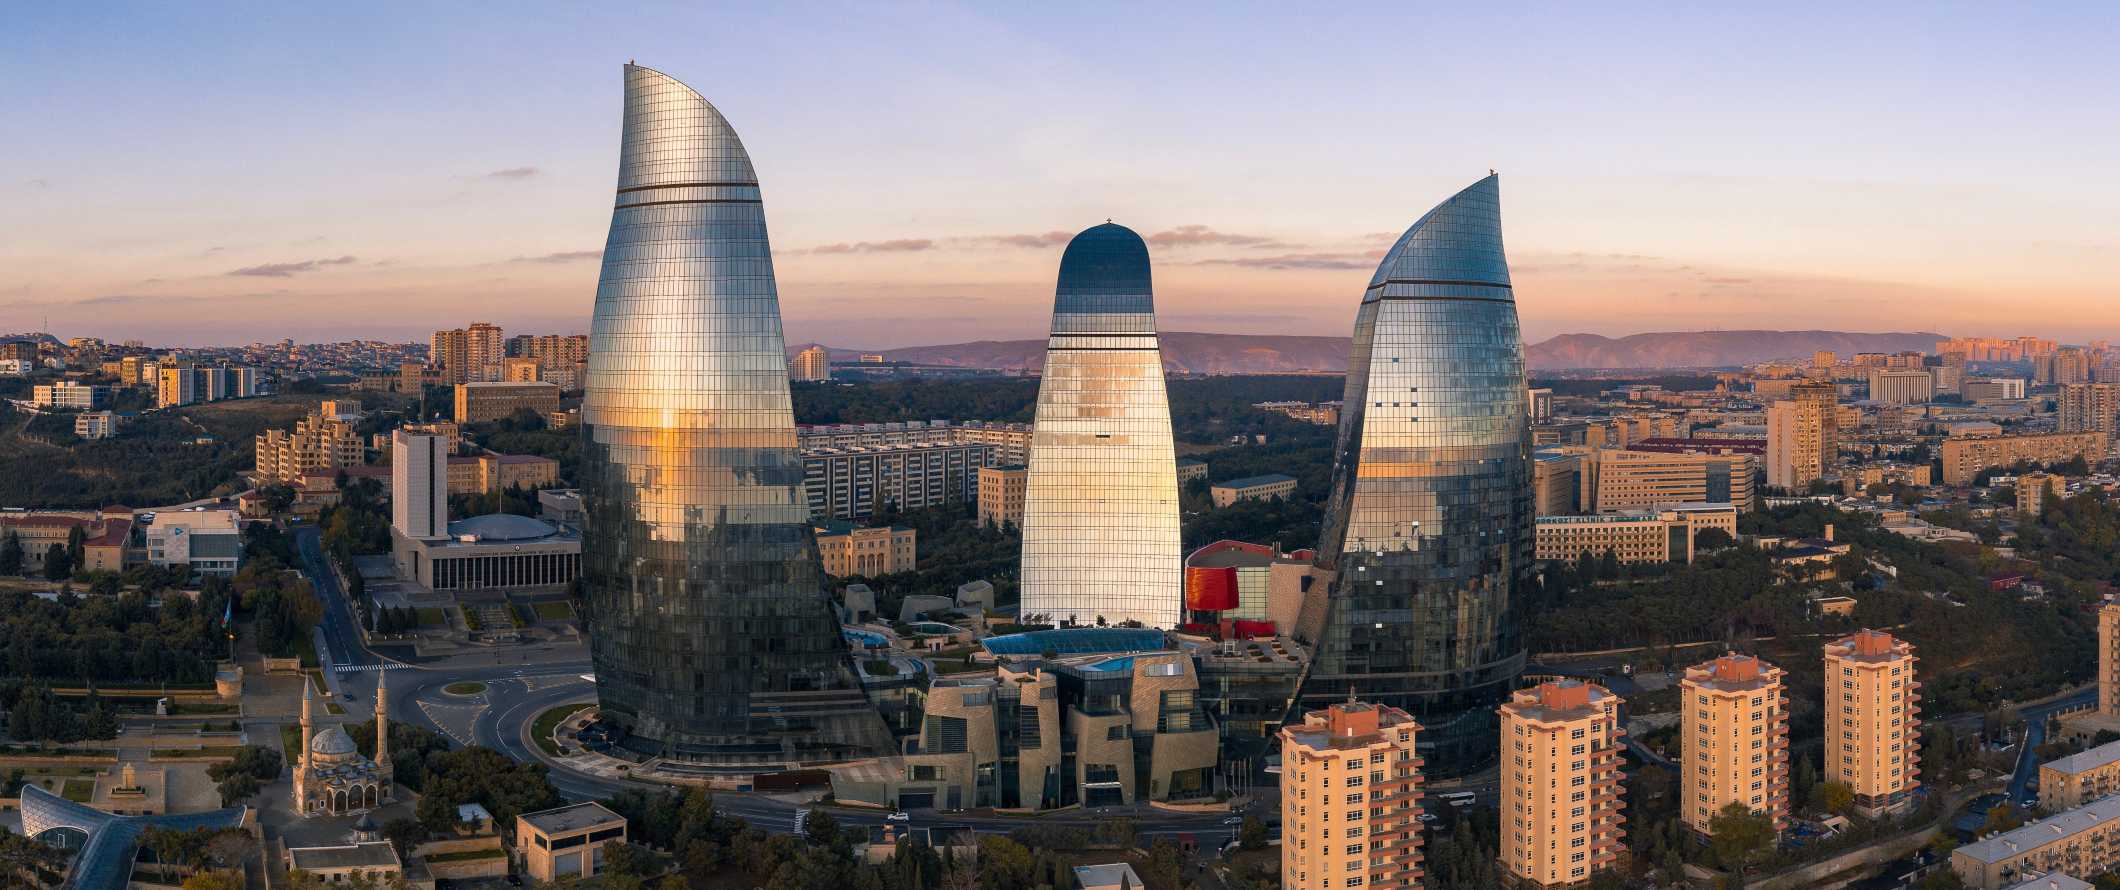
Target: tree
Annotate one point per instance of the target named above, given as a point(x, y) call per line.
point(1005, 864)
point(214, 880)
point(819, 829)
point(11, 554)
point(1252, 834)
point(76, 548)
point(56, 568)
point(1832, 797)
point(631, 860)
point(1712, 539)
point(1941, 879)
point(1740, 836)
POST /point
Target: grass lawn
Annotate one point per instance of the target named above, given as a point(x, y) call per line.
point(541, 728)
point(557, 610)
point(334, 709)
point(469, 687)
point(465, 855)
point(291, 743)
point(79, 790)
point(179, 707)
point(307, 649)
point(432, 616)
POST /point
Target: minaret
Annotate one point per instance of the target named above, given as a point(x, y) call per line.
point(382, 727)
point(301, 763)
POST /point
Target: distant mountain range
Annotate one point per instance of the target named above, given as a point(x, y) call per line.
point(1195, 353)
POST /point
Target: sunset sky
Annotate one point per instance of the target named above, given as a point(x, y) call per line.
point(190, 175)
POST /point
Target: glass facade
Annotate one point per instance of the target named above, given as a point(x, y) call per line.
point(711, 631)
point(1429, 526)
point(1100, 505)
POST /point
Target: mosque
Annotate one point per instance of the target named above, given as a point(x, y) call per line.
point(332, 778)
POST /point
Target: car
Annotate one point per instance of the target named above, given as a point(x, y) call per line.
point(898, 816)
point(1233, 820)
point(1428, 817)
point(349, 697)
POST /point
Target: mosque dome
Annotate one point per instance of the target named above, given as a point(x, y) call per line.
point(332, 742)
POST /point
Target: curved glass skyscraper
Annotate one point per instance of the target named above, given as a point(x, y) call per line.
point(1428, 533)
point(711, 631)
point(1100, 506)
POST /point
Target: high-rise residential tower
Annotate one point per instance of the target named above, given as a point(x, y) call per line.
point(1100, 507)
point(1873, 720)
point(711, 632)
point(1351, 799)
point(1429, 527)
point(1735, 746)
point(1561, 784)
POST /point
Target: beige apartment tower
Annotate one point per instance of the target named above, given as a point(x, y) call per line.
point(2108, 658)
point(1873, 738)
point(2089, 408)
point(1803, 436)
point(811, 365)
point(1736, 741)
point(1350, 799)
point(1561, 784)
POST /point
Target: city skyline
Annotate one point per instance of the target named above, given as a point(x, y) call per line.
point(926, 179)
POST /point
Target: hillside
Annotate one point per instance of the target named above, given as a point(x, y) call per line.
point(1197, 353)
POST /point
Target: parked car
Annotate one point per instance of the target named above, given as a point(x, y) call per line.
point(898, 816)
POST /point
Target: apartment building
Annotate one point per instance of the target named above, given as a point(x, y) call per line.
point(1964, 458)
point(852, 482)
point(481, 401)
point(811, 365)
point(2089, 407)
point(1001, 495)
point(69, 394)
point(2109, 658)
point(323, 442)
point(2081, 841)
point(1992, 389)
point(1902, 386)
point(847, 550)
point(1872, 722)
point(1350, 799)
point(2036, 490)
point(2069, 782)
point(1012, 441)
point(1735, 741)
point(1561, 786)
point(1666, 535)
point(1628, 480)
point(1803, 436)
point(467, 355)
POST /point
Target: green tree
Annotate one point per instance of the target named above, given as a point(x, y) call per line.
point(819, 829)
point(1005, 864)
point(56, 566)
point(1739, 836)
point(11, 555)
point(1252, 835)
point(1832, 797)
point(76, 548)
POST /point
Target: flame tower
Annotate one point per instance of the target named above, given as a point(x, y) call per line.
point(1428, 532)
point(711, 631)
point(1100, 506)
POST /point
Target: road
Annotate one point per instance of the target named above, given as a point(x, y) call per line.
point(524, 682)
point(2035, 717)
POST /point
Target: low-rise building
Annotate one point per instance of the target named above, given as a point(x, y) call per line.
point(2083, 841)
point(1133, 727)
point(1001, 495)
point(567, 841)
point(497, 551)
point(1561, 784)
point(339, 865)
point(1350, 799)
point(2069, 782)
point(99, 424)
point(1190, 468)
point(2036, 490)
point(490, 472)
point(210, 541)
point(1667, 535)
point(1110, 876)
point(848, 550)
point(495, 400)
point(1632, 480)
point(1233, 580)
point(1269, 486)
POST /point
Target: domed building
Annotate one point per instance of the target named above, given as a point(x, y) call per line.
point(332, 778)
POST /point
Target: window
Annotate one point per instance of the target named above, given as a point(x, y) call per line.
point(1354, 848)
